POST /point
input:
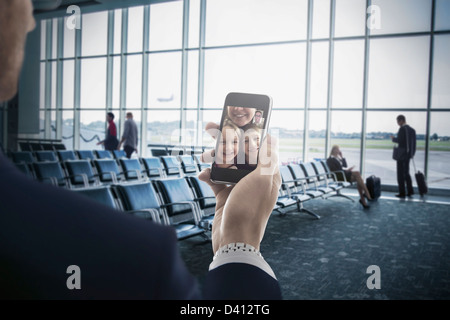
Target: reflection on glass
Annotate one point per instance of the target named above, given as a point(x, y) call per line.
point(441, 72)
point(439, 156)
point(321, 19)
point(346, 133)
point(135, 28)
point(93, 83)
point(378, 156)
point(163, 127)
point(94, 30)
point(442, 21)
point(398, 72)
point(398, 16)
point(277, 71)
point(350, 18)
point(348, 74)
point(319, 75)
point(227, 22)
point(164, 80)
point(166, 25)
point(134, 81)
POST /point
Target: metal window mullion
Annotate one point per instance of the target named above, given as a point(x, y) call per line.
point(109, 62)
point(201, 72)
point(365, 93)
point(145, 76)
point(430, 90)
point(184, 71)
point(330, 77)
point(123, 70)
point(77, 88)
point(48, 78)
point(59, 78)
point(307, 82)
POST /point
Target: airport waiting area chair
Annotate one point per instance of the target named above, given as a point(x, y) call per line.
point(102, 194)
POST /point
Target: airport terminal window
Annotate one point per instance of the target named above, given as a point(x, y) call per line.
point(192, 79)
point(164, 80)
point(441, 72)
point(348, 74)
point(227, 22)
point(94, 33)
point(134, 81)
point(350, 18)
point(135, 28)
point(194, 23)
point(69, 41)
point(345, 132)
point(319, 75)
point(166, 26)
point(316, 135)
point(244, 50)
point(278, 71)
point(163, 126)
point(92, 128)
point(438, 169)
point(321, 19)
point(116, 82)
point(287, 127)
point(442, 21)
point(68, 80)
point(398, 72)
point(117, 48)
point(93, 83)
point(399, 16)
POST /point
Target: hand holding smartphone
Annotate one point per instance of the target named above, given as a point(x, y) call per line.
point(243, 126)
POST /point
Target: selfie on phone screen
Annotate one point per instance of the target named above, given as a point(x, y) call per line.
point(240, 138)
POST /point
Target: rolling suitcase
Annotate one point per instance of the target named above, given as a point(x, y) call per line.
point(373, 184)
point(420, 179)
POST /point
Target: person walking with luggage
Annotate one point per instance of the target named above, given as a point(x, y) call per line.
point(129, 136)
point(336, 162)
point(406, 139)
point(110, 143)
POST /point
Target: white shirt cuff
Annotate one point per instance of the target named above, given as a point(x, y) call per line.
point(240, 253)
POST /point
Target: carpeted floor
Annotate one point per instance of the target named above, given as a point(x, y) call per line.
point(328, 258)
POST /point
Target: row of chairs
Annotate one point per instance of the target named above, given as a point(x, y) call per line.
point(52, 145)
point(187, 204)
point(302, 182)
point(86, 167)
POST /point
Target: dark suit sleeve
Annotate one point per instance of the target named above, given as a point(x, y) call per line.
point(236, 281)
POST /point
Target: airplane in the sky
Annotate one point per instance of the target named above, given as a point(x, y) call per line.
point(166, 99)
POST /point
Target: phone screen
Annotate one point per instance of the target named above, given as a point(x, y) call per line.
point(244, 121)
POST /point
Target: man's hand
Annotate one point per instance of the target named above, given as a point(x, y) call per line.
point(242, 210)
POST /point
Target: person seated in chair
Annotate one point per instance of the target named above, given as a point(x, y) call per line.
point(336, 162)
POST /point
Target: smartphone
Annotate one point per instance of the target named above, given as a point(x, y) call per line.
point(243, 126)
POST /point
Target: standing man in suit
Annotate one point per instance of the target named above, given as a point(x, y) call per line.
point(406, 139)
point(74, 248)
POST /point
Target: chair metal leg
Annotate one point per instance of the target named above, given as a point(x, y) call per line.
point(301, 209)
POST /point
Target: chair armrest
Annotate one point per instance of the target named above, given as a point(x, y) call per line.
point(192, 204)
